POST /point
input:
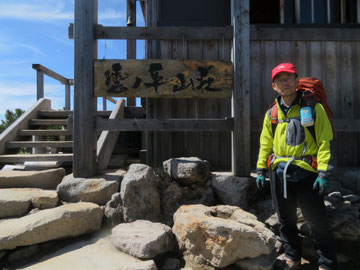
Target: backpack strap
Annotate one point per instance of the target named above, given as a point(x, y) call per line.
point(273, 114)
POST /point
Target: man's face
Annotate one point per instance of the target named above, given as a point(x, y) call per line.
point(285, 84)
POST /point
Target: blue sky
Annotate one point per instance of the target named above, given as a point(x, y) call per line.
point(36, 32)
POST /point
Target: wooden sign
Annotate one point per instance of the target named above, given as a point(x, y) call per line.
point(156, 78)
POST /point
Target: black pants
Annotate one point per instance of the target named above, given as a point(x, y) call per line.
point(313, 209)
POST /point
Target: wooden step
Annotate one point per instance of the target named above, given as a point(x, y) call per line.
point(54, 114)
point(65, 114)
point(35, 157)
point(44, 132)
point(30, 144)
point(48, 122)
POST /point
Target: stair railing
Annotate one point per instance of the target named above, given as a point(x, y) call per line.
point(40, 71)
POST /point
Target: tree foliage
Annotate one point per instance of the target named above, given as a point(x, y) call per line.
point(10, 117)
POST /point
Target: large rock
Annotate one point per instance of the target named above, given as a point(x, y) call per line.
point(143, 239)
point(92, 254)
point(114, 210)
point(98, 189)
point(47, 179)
point(187, 170)
point(263, 262)
point(231, 190)
point(65, 221)
point(344, 214)
point(349, 178)
point(174, 195)
point(17, 201)
point(139, 193)
point(220, 235)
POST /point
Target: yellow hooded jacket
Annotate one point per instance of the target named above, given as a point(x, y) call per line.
point(291, 138)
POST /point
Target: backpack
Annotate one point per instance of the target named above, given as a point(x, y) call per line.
point(313, 92)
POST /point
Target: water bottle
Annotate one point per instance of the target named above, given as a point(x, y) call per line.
point(306, 117)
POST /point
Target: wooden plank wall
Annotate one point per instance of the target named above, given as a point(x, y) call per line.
point(212, 146)
point(336, 63)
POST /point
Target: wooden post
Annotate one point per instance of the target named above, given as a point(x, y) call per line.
point(286, 11)
point(131, 44)
point(67, 96)
point(241, 95)
point(84, 160)
point(104, 103)
point(39, 85)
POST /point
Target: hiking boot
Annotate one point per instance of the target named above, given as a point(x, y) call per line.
point(286, 263)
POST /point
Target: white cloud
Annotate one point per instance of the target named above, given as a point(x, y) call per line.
point(9, 46)
point(35, 12)
point(51, 12)
point(112, 14)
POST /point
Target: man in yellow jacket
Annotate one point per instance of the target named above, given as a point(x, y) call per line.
point(295, 179)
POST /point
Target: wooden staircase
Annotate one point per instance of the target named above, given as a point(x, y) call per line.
point(50, 133)
point(59, 148)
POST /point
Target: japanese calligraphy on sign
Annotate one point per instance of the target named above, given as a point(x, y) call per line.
point(163, 78)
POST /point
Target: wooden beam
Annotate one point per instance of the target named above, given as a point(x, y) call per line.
point(107, 139)
point(67, 96)
point(111, 99)
point(165, 124)
point(298, 33)
point(340, 125)
point(130, 112)
point(84, 163)
point(241, 94)
point(38, 157)
point(44, 132)
point(131, 43)
point(287, 11)
point(28, 144)
point(160, 33)
point(257, 32)
point(157, 78)
point(50, 73)
point(39, 84)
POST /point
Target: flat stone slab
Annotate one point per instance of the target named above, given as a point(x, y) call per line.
point(143, 239)
point(47, 179)
point(18, 201)
point(91, 255)
point(98, 189)
point(64, 221)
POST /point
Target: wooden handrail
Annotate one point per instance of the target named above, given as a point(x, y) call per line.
point(40, 71)
point(52, 74)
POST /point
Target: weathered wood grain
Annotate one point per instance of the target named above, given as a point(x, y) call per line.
point(165, 124)
point(241, 96)
point(158, 78)
point(107, 139)
point(85, 51)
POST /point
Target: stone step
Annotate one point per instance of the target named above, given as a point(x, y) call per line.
point(35, 157)
point(44, 132)
point(44, 179)
point(93, 254)
point(64, 221)
point(48, 122)
point(29, 144)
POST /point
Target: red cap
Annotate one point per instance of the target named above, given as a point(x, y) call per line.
point(283, 67)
